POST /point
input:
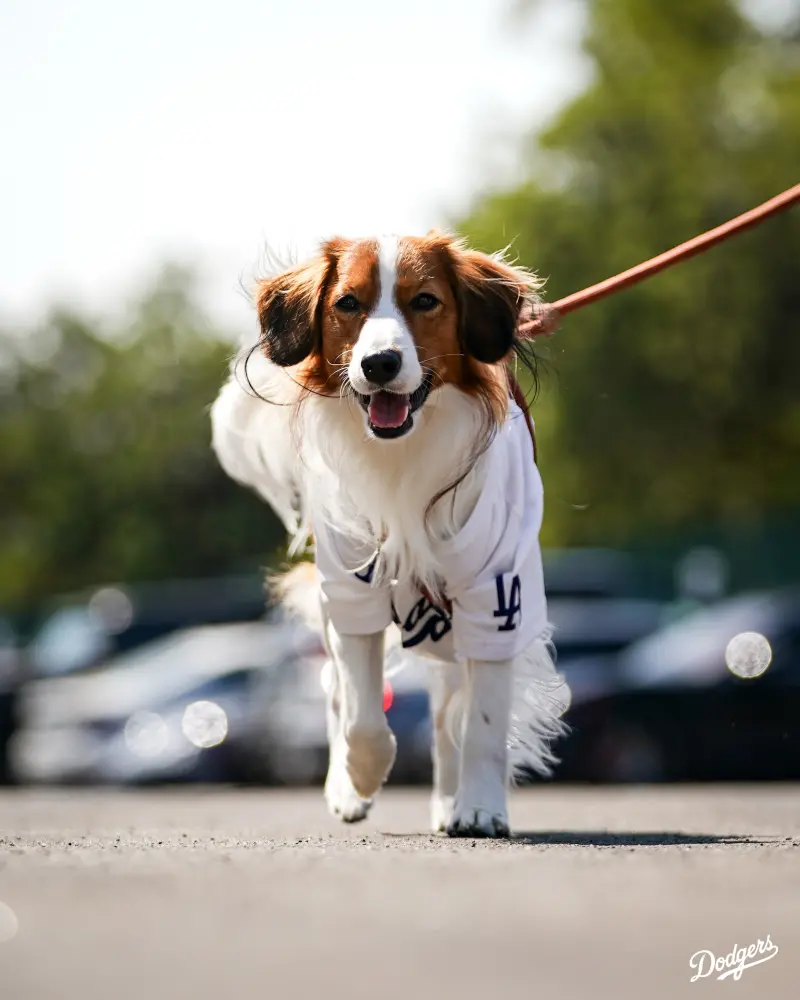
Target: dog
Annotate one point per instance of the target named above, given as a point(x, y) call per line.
point(374, 414)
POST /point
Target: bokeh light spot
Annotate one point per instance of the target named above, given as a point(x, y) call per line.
point(748, 654)
point(112, 608)
point(205, 724)
point(9, 925)
point(146, 734)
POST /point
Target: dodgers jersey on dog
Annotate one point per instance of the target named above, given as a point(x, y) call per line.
point(491, 569)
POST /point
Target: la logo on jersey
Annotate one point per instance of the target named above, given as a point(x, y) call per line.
point(509, 601)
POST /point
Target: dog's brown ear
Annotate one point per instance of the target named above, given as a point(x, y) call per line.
point(491, 296)
point(289, 307)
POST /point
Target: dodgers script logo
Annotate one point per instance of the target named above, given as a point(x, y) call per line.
point(734, 963)
point(424, 621)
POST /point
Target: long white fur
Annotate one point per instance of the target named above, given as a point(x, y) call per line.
point(381, 490)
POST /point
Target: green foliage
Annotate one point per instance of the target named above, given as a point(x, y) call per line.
point(677, 402)
point(105, 467)
point(673, 404)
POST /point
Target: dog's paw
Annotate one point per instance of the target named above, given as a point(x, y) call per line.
point(441, 812)
point(343, 800)
point(368, 756)
point(473, 821)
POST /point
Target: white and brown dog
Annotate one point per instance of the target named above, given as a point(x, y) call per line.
point(375, 415)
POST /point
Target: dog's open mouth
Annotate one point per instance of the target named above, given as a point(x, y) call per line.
point(391, 414)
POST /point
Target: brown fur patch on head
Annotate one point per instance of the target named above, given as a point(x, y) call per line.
point(492, 297)
point(354, 273)
point(463, 340)
point(300, 326)
point(288, 310)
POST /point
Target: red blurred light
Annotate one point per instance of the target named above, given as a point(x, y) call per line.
point(388, 696)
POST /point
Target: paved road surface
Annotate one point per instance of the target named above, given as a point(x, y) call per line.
point(230, 895)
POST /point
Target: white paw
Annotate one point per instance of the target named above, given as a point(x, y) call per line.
point(343, 800)
point(474, 821)
point(441, 812)
point(481, 806)
point(369, 755)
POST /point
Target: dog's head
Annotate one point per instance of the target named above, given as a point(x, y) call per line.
point(394, 318)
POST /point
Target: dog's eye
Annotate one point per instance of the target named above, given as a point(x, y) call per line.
point(348, 304)
point(424, 302)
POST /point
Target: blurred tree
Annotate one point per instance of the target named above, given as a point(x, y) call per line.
point(677, 402)
point(105, 467)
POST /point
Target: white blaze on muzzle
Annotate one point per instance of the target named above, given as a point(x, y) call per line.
point(385, 330)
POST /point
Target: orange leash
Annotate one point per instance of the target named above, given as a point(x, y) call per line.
point(548, 319)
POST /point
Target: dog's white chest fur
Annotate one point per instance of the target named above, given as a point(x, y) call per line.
point(487, 562)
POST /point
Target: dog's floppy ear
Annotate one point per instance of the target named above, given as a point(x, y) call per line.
point(491, 296)
point(289, 311)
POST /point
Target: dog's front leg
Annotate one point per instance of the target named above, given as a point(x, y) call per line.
point(364, 745)
point(447, 682)
point(481, 808)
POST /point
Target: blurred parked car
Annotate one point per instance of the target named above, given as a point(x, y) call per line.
point(10, 683)
point(590, 632)
point(82, 630)
point(118, 666)
point(591, 572)
point(126, 720)
point(598, 605)
point(674, 711)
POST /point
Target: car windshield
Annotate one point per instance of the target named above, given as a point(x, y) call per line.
point(69, 640)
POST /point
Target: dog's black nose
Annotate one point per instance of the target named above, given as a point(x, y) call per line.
point(382, 367)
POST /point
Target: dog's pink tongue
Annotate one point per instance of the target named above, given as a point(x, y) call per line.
point(388, 409)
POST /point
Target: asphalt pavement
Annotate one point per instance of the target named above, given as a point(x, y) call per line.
point(225, 894)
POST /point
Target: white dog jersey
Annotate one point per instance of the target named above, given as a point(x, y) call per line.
point(492, 568)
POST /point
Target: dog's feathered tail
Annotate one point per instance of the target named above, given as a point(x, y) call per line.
point(297, 590)
point(540, 698)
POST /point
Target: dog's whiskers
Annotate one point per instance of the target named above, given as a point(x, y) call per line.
point(436, 357)
point(432, 374)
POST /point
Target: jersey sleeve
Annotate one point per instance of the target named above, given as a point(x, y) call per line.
point(351, 599)
point(499, 605)
point(504, 610)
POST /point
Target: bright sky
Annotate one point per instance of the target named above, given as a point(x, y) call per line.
point(197, 130)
